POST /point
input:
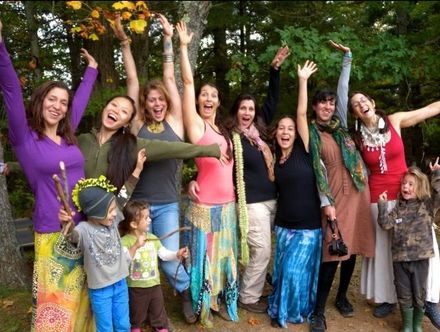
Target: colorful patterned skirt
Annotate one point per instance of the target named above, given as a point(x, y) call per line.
point(213, 246)
point(295, 274)
point(59, 297)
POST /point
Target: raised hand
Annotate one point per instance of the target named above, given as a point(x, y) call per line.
point(339, 47)
point(307, 70)
point(383, 196)
point(118, 29)
point(89, 59)
point(166, 26)
point(185, 37)
point(141, 158)
point(436, 165)
point(282, 54)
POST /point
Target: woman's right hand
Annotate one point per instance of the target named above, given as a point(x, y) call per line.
point(193, 189)
point(184, 36)
point(340, 47)
point(330, 212)
point(66, 221)
point(166, 26)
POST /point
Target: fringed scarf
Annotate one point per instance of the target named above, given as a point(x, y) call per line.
point(241, 199)
point(352, 159)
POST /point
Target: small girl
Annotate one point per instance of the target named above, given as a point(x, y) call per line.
point(145, 293)
point(105, 259)
point(412, 245)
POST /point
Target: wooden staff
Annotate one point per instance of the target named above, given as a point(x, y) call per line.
point(64, 176)
point(60, 192)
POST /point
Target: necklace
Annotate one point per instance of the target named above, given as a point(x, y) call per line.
point(283, 159)
point(374, 140)
point(156, 127)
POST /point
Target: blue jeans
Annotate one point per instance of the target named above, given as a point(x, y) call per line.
point(165, 219)
point(110, 307)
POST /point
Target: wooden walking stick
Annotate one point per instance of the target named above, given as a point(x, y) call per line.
point(66, 226)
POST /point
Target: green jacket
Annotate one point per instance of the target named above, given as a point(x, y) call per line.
point(96, 157)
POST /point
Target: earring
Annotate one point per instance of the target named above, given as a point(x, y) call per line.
point(123, 130)
point(381, 123)
point(356, 125)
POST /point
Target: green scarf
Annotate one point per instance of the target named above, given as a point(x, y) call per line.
point(352, 159)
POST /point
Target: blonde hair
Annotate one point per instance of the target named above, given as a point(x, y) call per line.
point(423, 189)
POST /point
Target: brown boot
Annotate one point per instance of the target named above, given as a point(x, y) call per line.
point(188, 312)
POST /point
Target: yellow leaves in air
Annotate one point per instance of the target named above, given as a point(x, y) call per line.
point(138, 26)
point(75, 5)
point(92, 25)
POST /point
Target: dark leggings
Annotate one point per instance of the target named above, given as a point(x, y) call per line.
point(327, 273)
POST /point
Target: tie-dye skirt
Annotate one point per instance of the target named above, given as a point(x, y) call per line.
point(60, 302)
point(295, 274)
point(213, 246)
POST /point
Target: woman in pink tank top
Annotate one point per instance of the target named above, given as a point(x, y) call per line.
point(212, 216)
point(381, 146)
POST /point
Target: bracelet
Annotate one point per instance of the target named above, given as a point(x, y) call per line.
point(168, 57)
point(348, 55)
point(124, 41)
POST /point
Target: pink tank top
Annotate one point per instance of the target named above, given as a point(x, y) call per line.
point(215, 180)
point(389, 179)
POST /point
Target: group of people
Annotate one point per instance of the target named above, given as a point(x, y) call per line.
point(327, 194)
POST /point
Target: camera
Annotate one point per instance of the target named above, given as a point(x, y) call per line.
point(337, 247)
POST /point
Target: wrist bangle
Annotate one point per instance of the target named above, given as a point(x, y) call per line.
point(168, 57)
point(125, 41)
point(348, 55)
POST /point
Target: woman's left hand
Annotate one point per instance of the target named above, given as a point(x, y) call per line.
point(436, 165)
point(166, 26)
point(307, 70)
point(282, 54)
point(185, 36)
point(340, 47)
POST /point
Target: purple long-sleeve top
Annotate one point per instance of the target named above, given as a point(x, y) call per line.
point(40, 158)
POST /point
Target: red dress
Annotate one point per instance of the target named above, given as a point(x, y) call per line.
point(388, 175)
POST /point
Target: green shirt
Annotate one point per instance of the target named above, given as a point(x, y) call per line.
point(143, 270)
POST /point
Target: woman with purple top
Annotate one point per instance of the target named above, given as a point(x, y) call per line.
point(42, 136)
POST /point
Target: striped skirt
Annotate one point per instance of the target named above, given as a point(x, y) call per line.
point(213, 245)
point(295, 274)
point(60, 302)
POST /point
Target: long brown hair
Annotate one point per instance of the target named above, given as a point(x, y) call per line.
point(132, 212)
point(218, 118)
point(232, 122)
point(143, 96)
point(35, 117)
point(122, 156)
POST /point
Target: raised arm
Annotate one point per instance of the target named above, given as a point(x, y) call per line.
point(174, 113)
point(132, 80)
point(435, 183)
point(194, 124)
point(411, 118)
point(273, 93)
point(344, 78)
point(82, 94)
point(301, 113)
point(12, 97)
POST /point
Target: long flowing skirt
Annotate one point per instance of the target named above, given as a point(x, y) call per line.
point(295, 274)
point(60, 302)
point(213, 246)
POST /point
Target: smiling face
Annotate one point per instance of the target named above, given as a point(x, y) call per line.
point(324, 109)
point(156, 105)
point(117, 113)
point(362, 107)
point(285, 133)
point(245, 114)
point(111, 215)
point(408, 187)
point(55, 106)
point(208, 101)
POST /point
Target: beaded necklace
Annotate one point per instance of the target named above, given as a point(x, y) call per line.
point(374, 140)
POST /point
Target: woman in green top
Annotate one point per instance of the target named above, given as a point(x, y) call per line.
point(112, 150)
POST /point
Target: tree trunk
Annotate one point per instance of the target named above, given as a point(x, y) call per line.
point(195, 14)
point(221, 62)
point(13, 267)
point(29, 7)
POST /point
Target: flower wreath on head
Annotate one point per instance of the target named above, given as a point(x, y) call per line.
point(101, 181)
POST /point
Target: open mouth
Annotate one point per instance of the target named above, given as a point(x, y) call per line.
point(112, 117)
